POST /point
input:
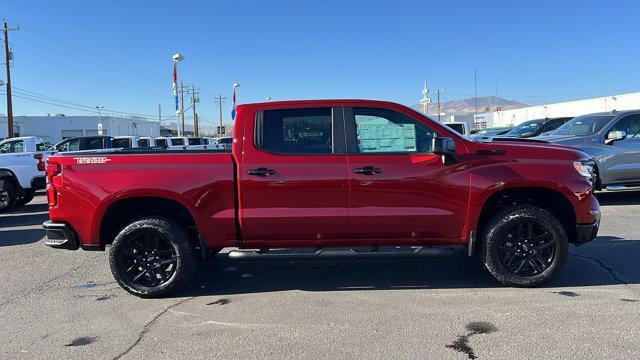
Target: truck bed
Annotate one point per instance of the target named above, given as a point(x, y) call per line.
point(200, 180)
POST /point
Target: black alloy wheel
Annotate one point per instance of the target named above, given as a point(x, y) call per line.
point(148, 258)
point(152, 257)
point(528, 249)
point(523, 246)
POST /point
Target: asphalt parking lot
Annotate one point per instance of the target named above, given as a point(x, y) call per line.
point(65, 304)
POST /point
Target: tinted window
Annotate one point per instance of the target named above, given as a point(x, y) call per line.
point(384, 131)
point(92, 143)
point(41, 146)
point(121, 143)
point(459, 128)
point(630, 125)
point(69, 145)
point(551, 125)
point(294, 131)
point(584, 125)
point(225, 141)
point(161, 142)
point(143, 142)
point(12, 147)
point(177, 141)
point(195, 141)
point(526, 127)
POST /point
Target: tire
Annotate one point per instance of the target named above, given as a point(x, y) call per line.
point(523, 261)
point(8, 196)
point(27, 197)
point(132, 255)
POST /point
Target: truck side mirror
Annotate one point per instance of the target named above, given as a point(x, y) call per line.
point(616, 135)
point(446, 147)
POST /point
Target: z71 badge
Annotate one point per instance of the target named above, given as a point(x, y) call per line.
point(92, 160)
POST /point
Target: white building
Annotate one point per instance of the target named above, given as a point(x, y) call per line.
point(570, 108)
point(56, 128)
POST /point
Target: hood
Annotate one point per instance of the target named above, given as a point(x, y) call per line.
point(527, 149)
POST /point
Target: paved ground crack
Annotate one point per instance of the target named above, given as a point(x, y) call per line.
point(148, 325)
point(609, 270)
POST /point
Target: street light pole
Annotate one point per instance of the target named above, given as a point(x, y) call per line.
point(176, 59)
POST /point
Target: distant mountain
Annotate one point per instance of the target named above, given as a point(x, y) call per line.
point(468, 106)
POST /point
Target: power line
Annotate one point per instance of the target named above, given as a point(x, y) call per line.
point(67, 66)
point(88, 53)
point(116, 69)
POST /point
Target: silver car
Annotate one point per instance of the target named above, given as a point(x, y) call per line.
point(613, 141)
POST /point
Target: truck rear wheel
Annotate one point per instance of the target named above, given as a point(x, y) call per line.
point(524, 246)
point(8, 196)
point(152, 257)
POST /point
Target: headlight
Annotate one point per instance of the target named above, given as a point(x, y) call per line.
point(586, 168)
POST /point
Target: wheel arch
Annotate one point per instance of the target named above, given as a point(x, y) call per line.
point(124, 209)
point(551, 200)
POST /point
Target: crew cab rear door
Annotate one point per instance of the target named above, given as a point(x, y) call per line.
point(293, 176)
point(400, 189)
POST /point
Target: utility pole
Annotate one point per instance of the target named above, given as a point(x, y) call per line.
point(159, 113)
point(195, 99)
point(100, 131)
point(438, 91)
point(219, 101)
point(7, 58)
point(181, 128)
point(475, 91)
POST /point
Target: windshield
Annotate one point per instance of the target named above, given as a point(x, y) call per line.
point(584, 125)
point(526, 127)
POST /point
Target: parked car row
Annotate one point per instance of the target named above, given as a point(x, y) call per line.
point(22, 165)
point(125, 142)
point(612, 139)
point(22, 159)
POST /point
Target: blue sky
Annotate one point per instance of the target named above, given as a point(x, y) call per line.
point(118, 53)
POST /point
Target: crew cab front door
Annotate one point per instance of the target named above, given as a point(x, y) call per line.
point(621, 159)
point(399, 190)
point(293, 177)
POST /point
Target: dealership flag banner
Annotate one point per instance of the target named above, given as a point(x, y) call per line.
point(175, 84)
point(233, 105)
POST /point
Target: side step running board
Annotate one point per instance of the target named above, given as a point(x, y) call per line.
point(621, 187)
point(391, 252)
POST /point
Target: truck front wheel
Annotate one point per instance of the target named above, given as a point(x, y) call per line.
point(152, 257)
point(524, 246)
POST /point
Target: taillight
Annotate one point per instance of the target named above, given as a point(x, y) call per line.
point(41, 164)
point(51, 171)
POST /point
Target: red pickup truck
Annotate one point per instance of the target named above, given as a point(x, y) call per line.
point(325, 179)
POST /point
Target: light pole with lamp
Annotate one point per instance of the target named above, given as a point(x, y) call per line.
point(179, 112)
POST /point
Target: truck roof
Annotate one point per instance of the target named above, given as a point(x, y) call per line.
point(323, 102)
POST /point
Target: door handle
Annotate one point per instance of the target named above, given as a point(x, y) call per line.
point(261, 172)
point(367, 170)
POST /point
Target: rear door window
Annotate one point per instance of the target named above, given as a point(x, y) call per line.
point(69, 145)
point(121, 143)
point(294, 131)
point(92, 143)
